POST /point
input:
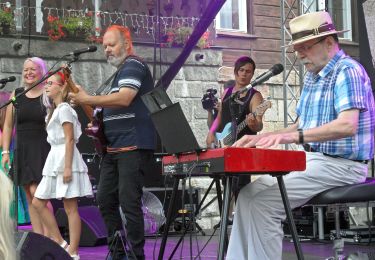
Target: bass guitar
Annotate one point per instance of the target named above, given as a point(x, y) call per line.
point(95, 131)
point(225, 137)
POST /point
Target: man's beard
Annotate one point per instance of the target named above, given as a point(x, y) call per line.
point(116, 61)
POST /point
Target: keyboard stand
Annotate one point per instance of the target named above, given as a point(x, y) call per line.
point(225, 212)
point(177, 178)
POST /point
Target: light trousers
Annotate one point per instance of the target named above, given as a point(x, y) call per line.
point(257, 231)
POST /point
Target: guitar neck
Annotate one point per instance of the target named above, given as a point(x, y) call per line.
point(229, 138)
point(86, 108)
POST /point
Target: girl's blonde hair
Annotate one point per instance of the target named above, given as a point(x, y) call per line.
point(7, 244)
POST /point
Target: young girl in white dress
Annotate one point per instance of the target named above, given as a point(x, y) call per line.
point(64, 173)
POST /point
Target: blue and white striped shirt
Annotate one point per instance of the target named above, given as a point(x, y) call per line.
point(341, 85)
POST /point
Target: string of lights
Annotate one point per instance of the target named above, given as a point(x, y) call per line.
point(138, 23)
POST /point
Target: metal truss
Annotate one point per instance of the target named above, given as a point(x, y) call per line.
point(293, 70)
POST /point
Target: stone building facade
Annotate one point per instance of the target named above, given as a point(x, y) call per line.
point(188, 87)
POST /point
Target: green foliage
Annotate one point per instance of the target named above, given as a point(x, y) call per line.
point(6, 17)
point(177, 37)
point(6, 21)
point(78, 26)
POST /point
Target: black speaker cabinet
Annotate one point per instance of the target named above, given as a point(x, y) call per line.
point(93, 231)
point(32, 246)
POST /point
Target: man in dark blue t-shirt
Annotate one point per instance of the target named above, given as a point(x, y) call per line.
point(130, 137)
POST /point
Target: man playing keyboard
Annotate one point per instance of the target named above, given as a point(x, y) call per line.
point(335, 118)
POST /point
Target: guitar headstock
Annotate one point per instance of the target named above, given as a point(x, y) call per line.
point(67, 70)
point(261, 109)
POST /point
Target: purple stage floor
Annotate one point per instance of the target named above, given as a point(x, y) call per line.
point(312, 250)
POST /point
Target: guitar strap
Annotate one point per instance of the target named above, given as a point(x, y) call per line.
point(101, 89)
point(105, 85)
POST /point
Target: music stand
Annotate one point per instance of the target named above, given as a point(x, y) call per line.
point(156, 100)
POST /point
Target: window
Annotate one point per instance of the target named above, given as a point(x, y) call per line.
point(341, 13)
point(340, 10)
point(233, 16)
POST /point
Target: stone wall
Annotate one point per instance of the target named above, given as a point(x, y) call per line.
point(91, 70)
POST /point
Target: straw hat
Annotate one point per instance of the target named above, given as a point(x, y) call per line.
point(310, 26)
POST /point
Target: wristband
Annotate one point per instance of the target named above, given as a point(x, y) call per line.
point(300, 136)
point(5, 152)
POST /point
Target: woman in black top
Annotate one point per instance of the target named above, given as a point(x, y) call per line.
point(32, 146)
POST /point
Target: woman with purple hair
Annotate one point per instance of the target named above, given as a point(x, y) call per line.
point(32, 147)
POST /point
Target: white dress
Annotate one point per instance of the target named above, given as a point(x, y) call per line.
point(51, 185)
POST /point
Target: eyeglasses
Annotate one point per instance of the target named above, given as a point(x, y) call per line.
point(49, 83)
point(305, 48)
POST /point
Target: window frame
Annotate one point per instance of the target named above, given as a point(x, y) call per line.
point(347, 19)
point(243, 6)
point(320, 5)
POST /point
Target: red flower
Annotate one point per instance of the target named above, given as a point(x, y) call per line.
point(52, 18)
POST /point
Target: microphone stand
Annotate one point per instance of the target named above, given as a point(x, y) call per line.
point(15, 144)
point(15, 186)
point(2, 85)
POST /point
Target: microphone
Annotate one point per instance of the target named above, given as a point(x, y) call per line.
point(8, 79)
point(84, 50)
point(276, 69)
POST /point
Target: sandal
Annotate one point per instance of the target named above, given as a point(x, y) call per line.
point(75, 257)
point(64, 245)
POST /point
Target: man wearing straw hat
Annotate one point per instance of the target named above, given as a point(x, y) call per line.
point(335, 118)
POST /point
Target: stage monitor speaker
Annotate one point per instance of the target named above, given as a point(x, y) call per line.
point(32, 246)
point(93, 231)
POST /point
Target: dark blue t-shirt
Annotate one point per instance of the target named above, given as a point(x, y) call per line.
point(132, 125)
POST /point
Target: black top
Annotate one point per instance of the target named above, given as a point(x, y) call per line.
point(240, 111)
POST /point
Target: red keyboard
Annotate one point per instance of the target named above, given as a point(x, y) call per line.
point(235, 160)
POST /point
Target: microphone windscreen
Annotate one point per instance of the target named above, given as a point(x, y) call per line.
point(11, 79)
point(92, 48)
point(277, 69)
